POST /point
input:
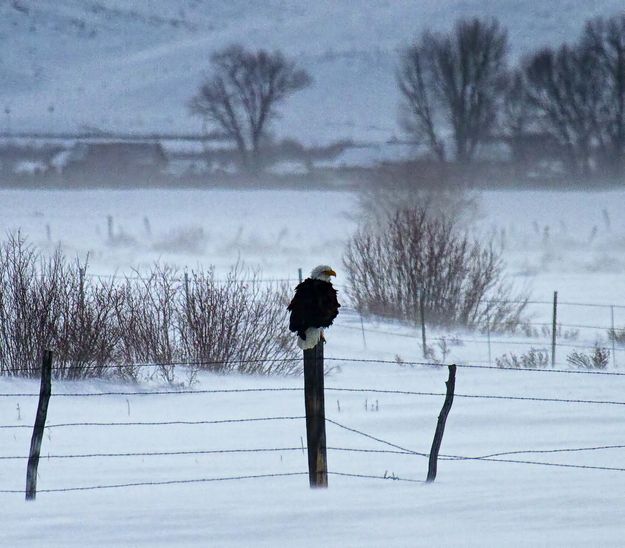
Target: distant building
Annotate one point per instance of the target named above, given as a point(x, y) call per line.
point(113, 162)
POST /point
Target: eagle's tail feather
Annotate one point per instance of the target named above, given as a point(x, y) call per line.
point(313, 336)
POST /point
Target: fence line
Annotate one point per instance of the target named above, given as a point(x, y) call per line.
point(363, 390)
point(484, 341)
point(396, 449)
point(400, 451)
point(495, 458)
point(167, 482)
point(475, 365)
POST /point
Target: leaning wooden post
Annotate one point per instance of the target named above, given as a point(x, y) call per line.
point(554, 328)
point(315, 416)
point(440, 425)
point(40, 422)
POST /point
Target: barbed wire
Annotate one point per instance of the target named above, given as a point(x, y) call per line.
point(486, 340)
point(159, 423)
point(477, 396)
point(153, 483)
point(561, 450)
point(369, 436)
point(156, 392)
point(474, 366)
point(181, 363)
point(372, 390)
point(358, 360)
point(494, 457)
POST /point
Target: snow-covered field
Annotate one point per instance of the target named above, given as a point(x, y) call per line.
point(472, 503)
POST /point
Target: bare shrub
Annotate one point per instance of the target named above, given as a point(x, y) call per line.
point(237, 325)
point(147, 319)
point(531, 331)
point(597, 359)
point(30, 288)
point(87, 333)
point(533, 359)
point(191, 239)
point(103, 328)
point(412, 257)
point(617, 335)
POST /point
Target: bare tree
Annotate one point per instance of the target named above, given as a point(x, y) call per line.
point(603, 41)
point(461, 75)
point(565, 93)
point(414, 79)
point(242, 94)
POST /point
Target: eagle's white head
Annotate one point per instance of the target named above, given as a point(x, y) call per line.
point(322, 272)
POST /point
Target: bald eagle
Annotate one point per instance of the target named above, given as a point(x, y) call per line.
point(313, 307)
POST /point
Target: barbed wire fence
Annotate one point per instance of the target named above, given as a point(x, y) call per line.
point(543, 332)
point(384, 447)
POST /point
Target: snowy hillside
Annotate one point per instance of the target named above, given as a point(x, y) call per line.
point(132, 65)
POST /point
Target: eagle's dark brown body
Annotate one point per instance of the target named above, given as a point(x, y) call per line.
point(314, 305)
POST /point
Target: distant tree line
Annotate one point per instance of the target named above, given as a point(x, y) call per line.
point(559, 109)
point(565, 104)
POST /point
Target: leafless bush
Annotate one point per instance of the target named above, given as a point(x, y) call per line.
point(617, 335)
point(533, 359)
point(531, 331)
point(412, 257)
point(191, 239)
point(30, 288)
point(100, 328)
point(147, 319)
point(598, 359)
point(87, 333)
point(237, 325)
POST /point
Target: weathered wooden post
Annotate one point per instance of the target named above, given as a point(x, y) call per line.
point(440, 425)
point(613, 337)
point(488, 339)
point(186, 290)
point(422, 317)
point(553, 329)
point(40, 422)
point(315, 416)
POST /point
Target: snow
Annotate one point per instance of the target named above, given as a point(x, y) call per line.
point(132, 66)
point(472, 503)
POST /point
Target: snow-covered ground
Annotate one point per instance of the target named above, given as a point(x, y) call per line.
point(472, 502)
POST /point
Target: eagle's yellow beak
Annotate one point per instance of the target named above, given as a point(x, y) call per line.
point(330, 272)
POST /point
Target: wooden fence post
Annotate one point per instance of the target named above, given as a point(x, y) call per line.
point(440, 425)
point(40, 422)
point(186, 290)
point(553, 329)
point(613, 337)
point(315, 416)
point(422, 318)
